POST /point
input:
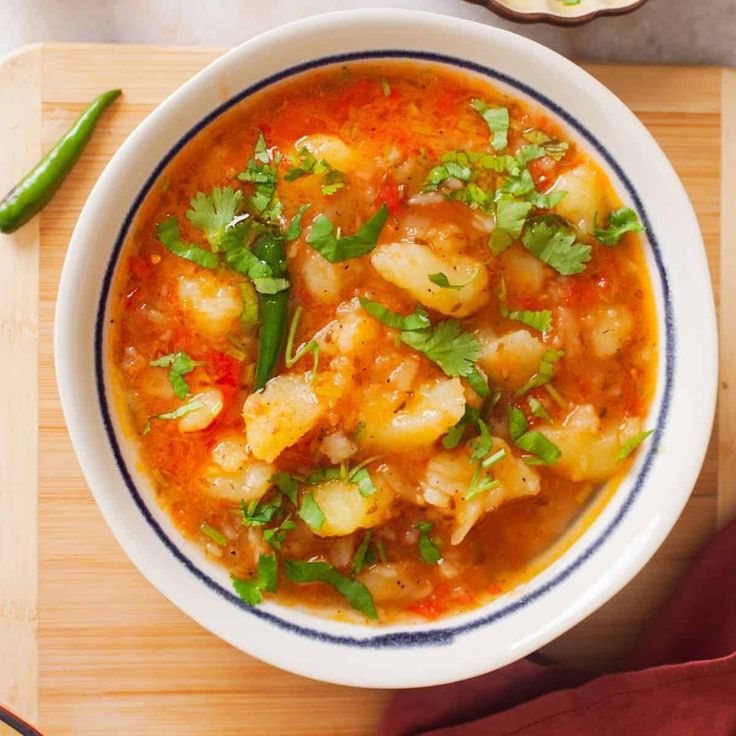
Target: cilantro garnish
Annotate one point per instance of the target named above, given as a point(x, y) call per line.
point(537, 320)
point(620, 222)
point(251, 591)
point(631, 444)
point(213, 212)
point(180, 364)
point(236, 245)
point(538, 409)
point(335, 248)
point(481, 446)
point(544, 451)
point(249, 315)
point(447, 170)
point(544, 373)
point(428, 547)
point(310, 512)
point(354, 592)
point(262, 172)
point(291, 358)
point(480, 483)
point(295, 226)
point(553, 148)
point(168, 233)
point(511, 215)
point(181, 411)
point(214, 534)
point(260, 513)
point(497, 120)
point(440, 279)
point(286, 483)
point(555, 244)
point(455, 434)
point(305, 165)
point(276, 536)
point(417, 320)
point(360, 556)
point(385, 87)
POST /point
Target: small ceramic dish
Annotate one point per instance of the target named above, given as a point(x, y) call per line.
point(590, 568)
point(559, 12)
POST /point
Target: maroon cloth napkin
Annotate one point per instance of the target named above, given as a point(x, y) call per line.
point(681, 679)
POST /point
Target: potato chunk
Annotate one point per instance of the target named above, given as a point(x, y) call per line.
point(585, 188)
point(210, 405)
point(609, 330)
point(346, 510)
point(512, 358)
point(409, 265)
point(237, 475)
point(281, 414)
point(434, 407)
point(448, 478)
point(212, 304)
point(589, 446)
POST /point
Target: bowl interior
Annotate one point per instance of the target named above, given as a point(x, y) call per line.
point(607, 554)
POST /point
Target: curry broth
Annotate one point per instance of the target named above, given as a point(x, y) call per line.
point(397, 119)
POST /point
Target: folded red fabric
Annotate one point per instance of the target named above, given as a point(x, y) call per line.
point(680, 681)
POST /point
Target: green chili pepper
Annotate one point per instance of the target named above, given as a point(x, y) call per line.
point(33, 192)
point(273, 307)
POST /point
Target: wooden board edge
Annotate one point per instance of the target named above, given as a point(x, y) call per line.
point(20, 134)
point(727, 378)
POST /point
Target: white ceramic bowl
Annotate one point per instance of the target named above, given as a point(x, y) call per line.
point(609, 553)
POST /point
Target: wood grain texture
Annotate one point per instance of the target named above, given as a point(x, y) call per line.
point(115, 656)
point(20, 124)
point(727, 397)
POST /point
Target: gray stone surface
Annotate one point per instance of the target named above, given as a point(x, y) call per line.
point(663, 31)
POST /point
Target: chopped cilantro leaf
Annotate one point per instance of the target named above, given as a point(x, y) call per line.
point(478, 382)
point(620, 222)
point(249, 315)
point(310, 512)
point(335, 249)
point(537, 320)
point(295, 226)
point(428, 547)
point(276, 536)
point(385, 87)
point(480, 484)
point(631, 444)
point(356, 594)
point(491, 460)
point(556, 246)
point(532, 442)
point(236, 245)
point(268, 573)
point(169, 235)
point(304, 167)
point(497, 119)
point(286, 483)
point(455, 434)
point(259, 513)
point(329, 189)
point(511, 215)
point(180, 364)
point(359, 559)
point(447, 345)
point(213, 212)
point(214, 534)
point(553, 148)
point(181, 411)
point(248, 590)
point(440, 279)
point(364, 482)
point(544, 373)
point(482, 445)
point(517, 422)
point(538, 409)
point(417, 320)
point(263, 174)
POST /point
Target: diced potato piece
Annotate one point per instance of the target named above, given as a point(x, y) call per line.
point(609, 328)
point(524, 272)
point(585, 189)
point(211, 405)
point(512, 358)
point(409, 265)
point(589, 446)
point(346, 510)
point(281, 414)
point(231, 454)
point(434, 407)
point(338, 447)
point(249, 482)
point(392, 582)
point(333, 150)
point(213, 305)
point(449, 475)
point(322, 279)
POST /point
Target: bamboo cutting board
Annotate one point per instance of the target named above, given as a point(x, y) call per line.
point(87, 646)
